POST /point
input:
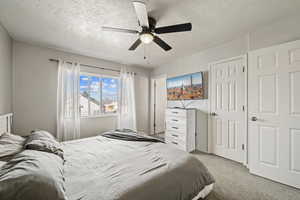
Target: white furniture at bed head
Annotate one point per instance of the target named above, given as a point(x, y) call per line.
point(6, 123)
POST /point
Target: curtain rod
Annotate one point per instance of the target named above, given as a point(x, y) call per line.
point(91, 66)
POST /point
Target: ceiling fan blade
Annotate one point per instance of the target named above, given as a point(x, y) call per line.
point(161, 43)
point(105, 28)
point(135, 45)
point(174, 28)
point(141, 12)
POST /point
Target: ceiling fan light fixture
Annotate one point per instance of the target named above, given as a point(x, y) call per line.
point(148, 32)
point(146, 38)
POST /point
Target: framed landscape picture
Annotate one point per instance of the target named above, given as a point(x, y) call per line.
point(186, 87)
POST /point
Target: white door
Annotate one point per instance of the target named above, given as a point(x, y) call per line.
point(228, 104)
point(274, 113)
point(159, 104)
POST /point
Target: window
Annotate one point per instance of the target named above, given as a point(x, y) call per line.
point(98, 95)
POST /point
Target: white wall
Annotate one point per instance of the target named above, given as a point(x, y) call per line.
point(35, 82)
point(5, 72)
point(281, 31)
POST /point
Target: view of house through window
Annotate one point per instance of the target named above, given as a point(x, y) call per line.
point(98, 95)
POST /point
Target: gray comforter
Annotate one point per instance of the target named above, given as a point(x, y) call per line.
point(102, 168)
point(129, 135)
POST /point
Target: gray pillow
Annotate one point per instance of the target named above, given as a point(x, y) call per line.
point(32, 175)
point(43, 141)
point(10, 144)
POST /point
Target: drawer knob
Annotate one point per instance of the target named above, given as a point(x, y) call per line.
point(175, 112)
point(174, 135)
point(213, 114)
point(175, 143)
point(254, 119)
point(175, 127)
point(175, 120)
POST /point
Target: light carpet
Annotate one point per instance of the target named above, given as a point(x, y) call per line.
point(234, 182)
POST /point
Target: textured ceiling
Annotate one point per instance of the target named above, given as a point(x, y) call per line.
point(75, 25)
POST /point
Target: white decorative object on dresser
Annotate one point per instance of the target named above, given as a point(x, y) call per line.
point(181, 128)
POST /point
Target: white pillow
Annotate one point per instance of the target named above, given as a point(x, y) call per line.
point(10, 144)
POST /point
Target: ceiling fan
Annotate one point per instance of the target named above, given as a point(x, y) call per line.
point(148, 30)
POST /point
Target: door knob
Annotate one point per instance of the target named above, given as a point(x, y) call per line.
point(213, 114)
point(254, 119)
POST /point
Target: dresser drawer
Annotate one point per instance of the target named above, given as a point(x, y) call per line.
point(176, 142)
point(176, 135)
point(176, 113)
point(177, 127)
point(176, 120)
point(178, 146)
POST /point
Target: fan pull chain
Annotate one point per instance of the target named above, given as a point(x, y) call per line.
point(145, 57)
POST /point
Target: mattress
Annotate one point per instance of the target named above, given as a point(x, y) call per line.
point(105, 168)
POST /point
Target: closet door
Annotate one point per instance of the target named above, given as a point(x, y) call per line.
point(274, 113)
point(160, 105)
point(228, 106)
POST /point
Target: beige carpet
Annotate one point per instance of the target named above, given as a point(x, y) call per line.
point(234, 182)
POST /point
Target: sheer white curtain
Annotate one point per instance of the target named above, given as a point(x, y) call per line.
point(127, 110)
point(68, 114)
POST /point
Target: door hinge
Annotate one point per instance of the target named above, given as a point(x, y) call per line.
point(243, 147)
point(243, 108)
point(243, 68)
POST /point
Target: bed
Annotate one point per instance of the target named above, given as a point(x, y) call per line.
point(106, 168)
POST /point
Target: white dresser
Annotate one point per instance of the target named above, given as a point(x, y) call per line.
point(180, 128)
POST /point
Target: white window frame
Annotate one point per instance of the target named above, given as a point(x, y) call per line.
point(102, 114)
